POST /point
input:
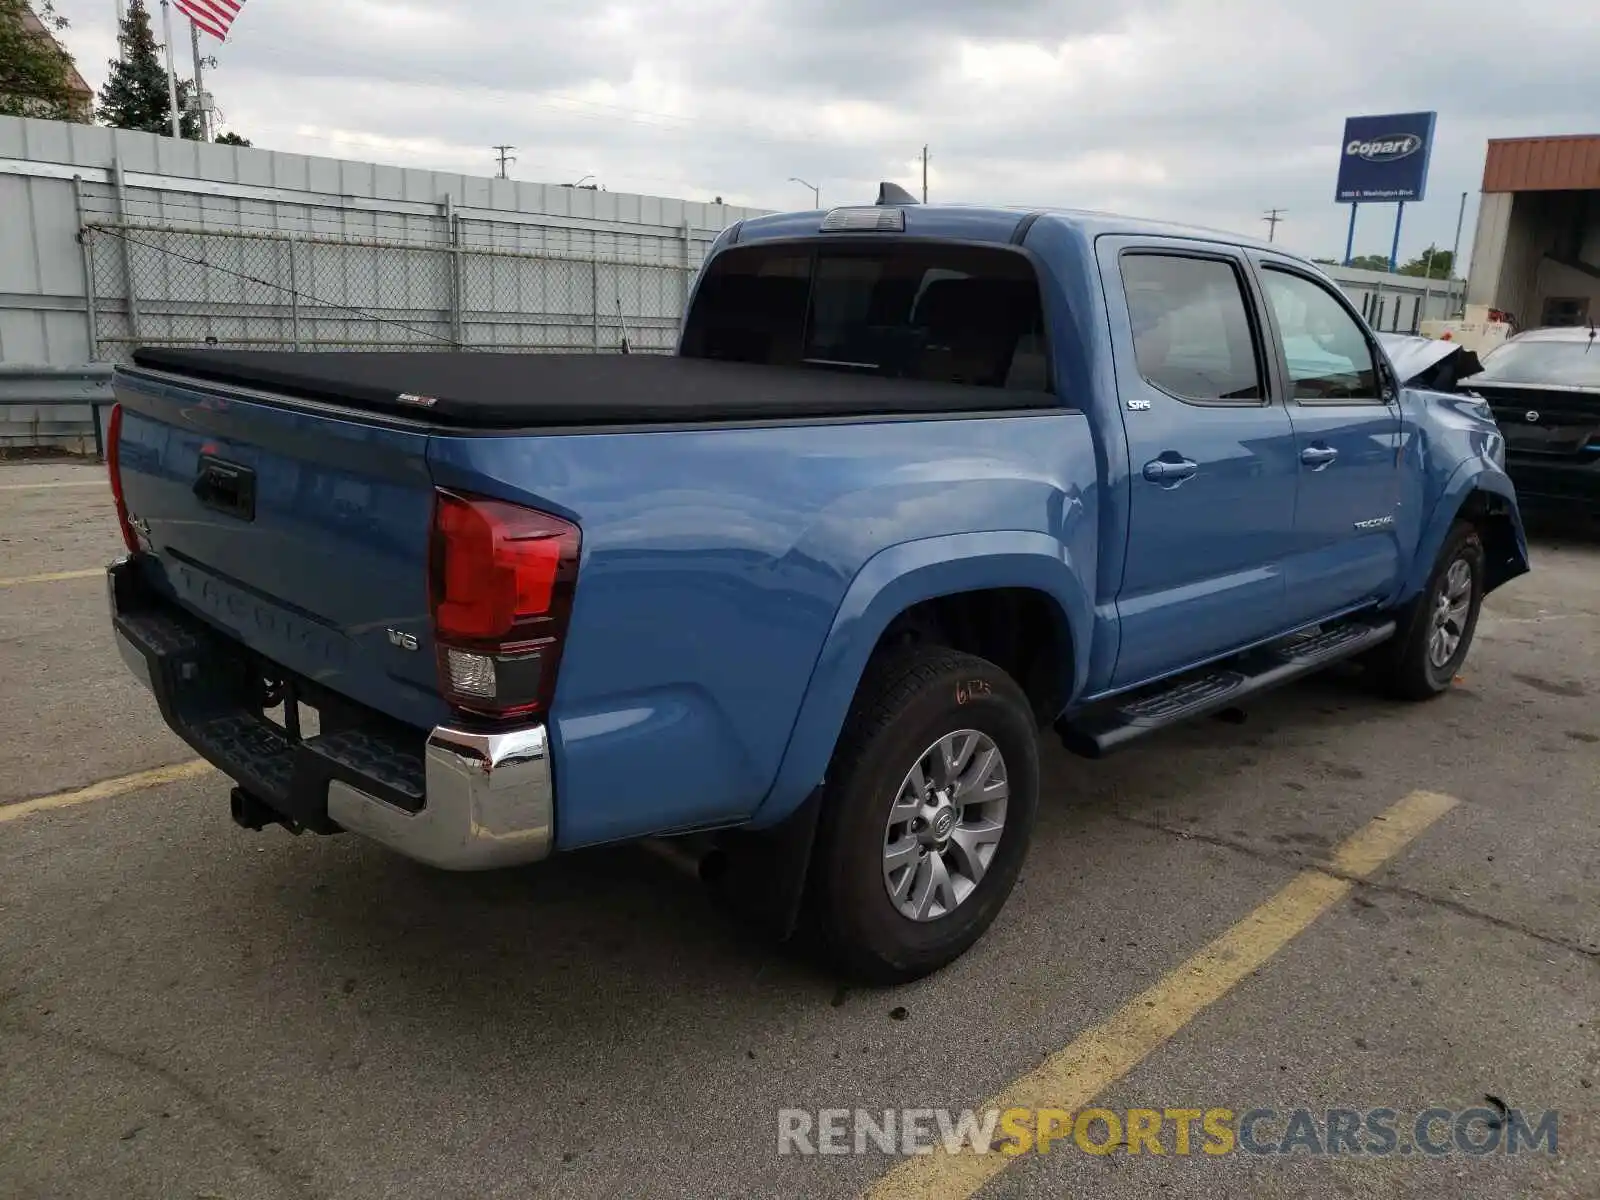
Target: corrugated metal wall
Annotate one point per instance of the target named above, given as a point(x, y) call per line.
point(136, 180)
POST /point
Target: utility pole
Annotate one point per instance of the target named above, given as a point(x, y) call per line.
point(506, 158)
point(199, 84)
point(1274, 215)
point(924, 174)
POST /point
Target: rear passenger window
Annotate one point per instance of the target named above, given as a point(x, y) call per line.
point(953, 314)
point(1328, 355)
point(1191, 328)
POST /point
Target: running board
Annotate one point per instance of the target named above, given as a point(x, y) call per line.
point(1099, 729)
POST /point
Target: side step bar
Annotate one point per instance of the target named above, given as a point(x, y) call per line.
point(1102, 728)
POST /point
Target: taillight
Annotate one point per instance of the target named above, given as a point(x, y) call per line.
point(502, 578)
point(114, 470)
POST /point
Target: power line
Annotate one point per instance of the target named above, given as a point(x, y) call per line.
point(1274, 215)
point(505, 157)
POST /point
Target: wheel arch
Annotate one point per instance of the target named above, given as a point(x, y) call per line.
point(910, 589)
point(1488, 500)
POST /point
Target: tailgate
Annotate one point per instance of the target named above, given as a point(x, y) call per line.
point(302, 532)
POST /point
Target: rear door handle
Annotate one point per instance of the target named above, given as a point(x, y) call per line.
point(1318, 457)
point(1170, 472)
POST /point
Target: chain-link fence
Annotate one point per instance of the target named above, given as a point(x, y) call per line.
point(450, 288)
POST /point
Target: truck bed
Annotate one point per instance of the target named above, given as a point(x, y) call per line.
point(510, 391)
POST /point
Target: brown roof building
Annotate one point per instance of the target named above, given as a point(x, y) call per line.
point(80, 89)
point(1536, 253)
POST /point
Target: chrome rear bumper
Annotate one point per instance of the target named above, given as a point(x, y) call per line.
point(488, 803)
point(460, 799)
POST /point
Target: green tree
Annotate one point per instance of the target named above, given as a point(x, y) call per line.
point(1371, 262)
point(37, 77)
point(135, 94)
point(231, 139)
point(1432, 263)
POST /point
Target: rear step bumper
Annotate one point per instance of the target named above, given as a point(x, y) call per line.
point(460, 799)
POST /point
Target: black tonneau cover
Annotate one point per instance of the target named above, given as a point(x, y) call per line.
point(509, 390)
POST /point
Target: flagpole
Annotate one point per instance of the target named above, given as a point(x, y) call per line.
point(172, 74)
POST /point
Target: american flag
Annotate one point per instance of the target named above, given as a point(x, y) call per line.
point(213, 16)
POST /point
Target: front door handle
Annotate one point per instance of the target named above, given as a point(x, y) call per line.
point(1169, 472)
point(1318, 457)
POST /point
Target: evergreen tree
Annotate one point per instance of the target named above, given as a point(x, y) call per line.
point(135, 94)
point(36, 74)
point(231, 139)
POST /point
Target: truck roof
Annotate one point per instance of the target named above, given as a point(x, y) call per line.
point(989, 223)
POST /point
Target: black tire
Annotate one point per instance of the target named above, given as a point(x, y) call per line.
point(1405, 667)
point(903, 708)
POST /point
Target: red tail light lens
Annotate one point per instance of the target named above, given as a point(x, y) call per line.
point(502, 583)
point(114, 470)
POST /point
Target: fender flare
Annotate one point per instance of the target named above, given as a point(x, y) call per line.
point(1468, 478)
point(889, 583)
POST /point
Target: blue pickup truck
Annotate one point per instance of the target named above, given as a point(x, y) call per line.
point(920, 483)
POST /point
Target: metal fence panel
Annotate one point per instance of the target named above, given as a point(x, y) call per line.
point(439, 288)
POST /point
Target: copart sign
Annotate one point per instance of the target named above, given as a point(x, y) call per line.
point(1385, 158)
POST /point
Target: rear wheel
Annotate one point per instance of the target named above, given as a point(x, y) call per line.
point(1436, 629)
point(927, 815)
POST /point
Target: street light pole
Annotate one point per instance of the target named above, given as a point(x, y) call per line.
point(816, 192)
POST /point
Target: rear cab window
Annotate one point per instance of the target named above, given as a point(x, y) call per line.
point(935, 312)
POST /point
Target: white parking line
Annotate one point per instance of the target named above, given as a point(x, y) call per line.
point(74, 483)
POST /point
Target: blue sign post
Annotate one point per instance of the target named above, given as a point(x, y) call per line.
point(1384, 159)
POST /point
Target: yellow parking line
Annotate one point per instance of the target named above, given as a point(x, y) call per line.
point(105, 789)
point(53, 577)
point(102, 482)
point(1072, 1077)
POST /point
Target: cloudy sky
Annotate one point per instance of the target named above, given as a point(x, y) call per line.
point(1206, 111)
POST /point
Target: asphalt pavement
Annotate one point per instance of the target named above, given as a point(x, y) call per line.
point(191, 1010)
